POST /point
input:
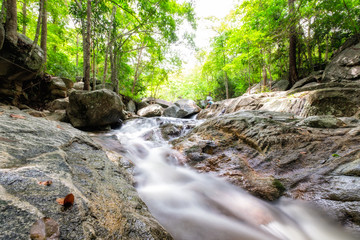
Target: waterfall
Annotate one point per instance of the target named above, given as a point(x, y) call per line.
point(194, 206)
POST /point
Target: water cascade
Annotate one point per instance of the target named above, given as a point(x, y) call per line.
point(194, 206)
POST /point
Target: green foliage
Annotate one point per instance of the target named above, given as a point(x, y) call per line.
point(255, 36)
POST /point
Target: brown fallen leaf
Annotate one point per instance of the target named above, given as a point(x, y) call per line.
point(60, 127)
point(17, 116)
point(45, 183)
point(66, 201)
point(45, 228)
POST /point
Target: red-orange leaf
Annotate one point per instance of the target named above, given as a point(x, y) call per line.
point(17, 116)
point(60, 127)
point(67, 201)
point(46, 183)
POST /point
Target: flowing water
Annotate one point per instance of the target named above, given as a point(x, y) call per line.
point(193, 206)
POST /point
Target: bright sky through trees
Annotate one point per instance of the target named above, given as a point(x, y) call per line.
point(205, 9)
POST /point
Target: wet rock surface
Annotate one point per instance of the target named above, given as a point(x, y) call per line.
point(274, 155)
point(34, 150)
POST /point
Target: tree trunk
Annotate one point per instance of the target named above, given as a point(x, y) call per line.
point(293, 75)
point(11, 21)
point(77, 53)
point(37, 33)
point(227, 85)
point(44, 31)
point(108, 47)
point(264, 74)
point(137, 70)
point(87, 47)
point(327, 48)
point(319, 50)
point(308, 46)
point(24, 16)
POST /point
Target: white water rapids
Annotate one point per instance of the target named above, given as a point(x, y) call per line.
point(193, 206)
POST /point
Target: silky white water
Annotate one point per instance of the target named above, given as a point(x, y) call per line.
point(194, 206)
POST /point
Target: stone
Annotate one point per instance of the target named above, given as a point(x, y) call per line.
point(13, 78)
point(314, 77)
point(280, 85)
point(345, 65)
point(153, 110)
point(57, 83)
point(131, 106)
point(182, 108)
point(273, 155)
point(68, 83)
point(94, 109)
point(58, 104)
point(142, 105)
point(108, 86)
point(106, 204)
point(322, 122)
point(56, 93)
point(333, 98)
point(79, 85)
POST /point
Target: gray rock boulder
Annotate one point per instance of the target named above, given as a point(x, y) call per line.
point(153, 110)
point(58, 104)
point(131, 106)
point(273, 154)
point(78, 86)
point(280, 85)
point(42, 161)
point(94, 109)
point(182, 108)
point(345, 65)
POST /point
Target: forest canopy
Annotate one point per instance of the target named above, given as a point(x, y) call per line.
point(130, 44)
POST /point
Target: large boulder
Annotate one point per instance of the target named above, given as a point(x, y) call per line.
point(18, 68)
point(43, 161)
point(153, 110)
point(345, 65)
point(274, 155)
point(94, 109)
point(182, 108)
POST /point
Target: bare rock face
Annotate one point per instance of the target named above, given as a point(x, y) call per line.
point(346, 64)
point(94, 109)
point(43, 161)
point(340, 99)
point(272, 154)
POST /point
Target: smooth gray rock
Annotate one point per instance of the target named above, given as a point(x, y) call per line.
point(345, 65)
point(182, 108)
point(106, 204)
point(94, 109)
point(58, 104)
point(131, 106)
point(153, 110)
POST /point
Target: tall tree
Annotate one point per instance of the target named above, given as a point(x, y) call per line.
point(293, 74)
point(11, 21)
point(43, 43)
point(87, 47)
point(24, 12)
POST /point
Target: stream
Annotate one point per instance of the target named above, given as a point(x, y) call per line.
point(194, 206)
